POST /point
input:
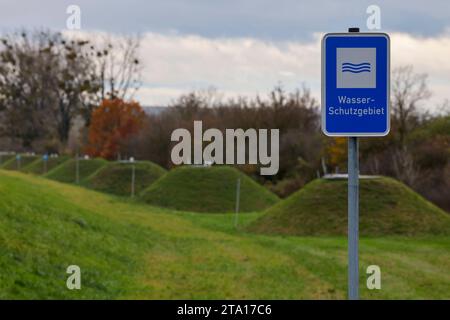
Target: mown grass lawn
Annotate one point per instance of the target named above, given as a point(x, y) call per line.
point(131, 250)
point(386, 207)
point(66, 172)
point(38, 166)
point(207, 189)
point(115, 177)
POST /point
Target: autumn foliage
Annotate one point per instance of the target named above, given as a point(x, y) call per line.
point(336, 150)
point(112, 123)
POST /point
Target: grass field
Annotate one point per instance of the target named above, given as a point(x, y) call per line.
point(130, 250)
point(211, 189)
point(387, 207)
point(115, 177)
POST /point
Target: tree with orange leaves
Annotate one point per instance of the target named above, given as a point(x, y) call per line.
point(336, 150)
point(112, 123)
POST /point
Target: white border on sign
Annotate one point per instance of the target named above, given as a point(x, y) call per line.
point(323, 82)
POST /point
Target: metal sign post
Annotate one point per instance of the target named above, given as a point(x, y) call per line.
point(353, 218)
point(44, 160)
point(18, 158)
point(355, 103)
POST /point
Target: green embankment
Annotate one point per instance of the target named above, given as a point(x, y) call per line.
point(207, 189)
point(130, 250)
point(387, 207)
point(5, 158)
point(116, 177)
point(38, 166)
point(66, 172)
point(14, 164)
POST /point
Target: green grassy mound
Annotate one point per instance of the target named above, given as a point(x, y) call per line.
point(66, 172)
point(5, 158)
point(115, 177)
point(37, 167)
point(12, 164)
point(210, 189)
point(128, 250)
point(387, 207)
point(42, 233)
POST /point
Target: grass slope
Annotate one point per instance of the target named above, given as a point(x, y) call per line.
point(37, 167)
point(115, 177)
point(66, 172)
point(5, 158)
point(130, 250)
point(12, 164)
point(210, 189)
point(387, 207)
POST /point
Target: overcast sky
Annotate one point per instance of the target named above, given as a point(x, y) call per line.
point(246, 46)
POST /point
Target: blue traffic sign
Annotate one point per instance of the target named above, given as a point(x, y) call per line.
point(355, 84)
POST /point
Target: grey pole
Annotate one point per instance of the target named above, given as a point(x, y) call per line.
point(133, 178)
point(45, 166)
point(238, 193)
point(77, 169)
point(353, 218)
point(353, 214)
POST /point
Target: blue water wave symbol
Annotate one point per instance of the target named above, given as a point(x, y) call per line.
point(356, 67)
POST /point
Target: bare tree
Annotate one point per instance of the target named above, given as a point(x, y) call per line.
point(444, 108)
point(119, 67)
point(409, 89)
point(405, 168)
point(46, 81)
point(24, 87)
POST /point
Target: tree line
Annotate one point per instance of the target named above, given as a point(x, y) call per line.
point(52, 85)
point(47, 80)
point(416, 151)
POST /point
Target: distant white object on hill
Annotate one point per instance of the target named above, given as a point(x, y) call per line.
point(342, 176)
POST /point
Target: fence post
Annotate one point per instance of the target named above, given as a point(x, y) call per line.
point(238, 193)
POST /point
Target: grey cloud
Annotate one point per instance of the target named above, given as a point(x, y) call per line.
point(264, 19)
